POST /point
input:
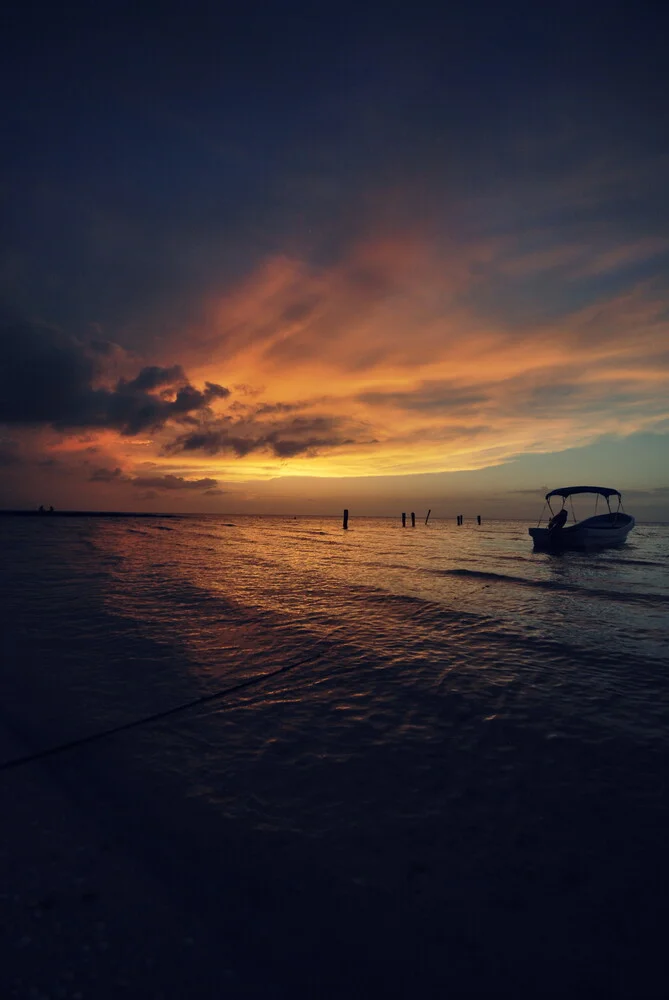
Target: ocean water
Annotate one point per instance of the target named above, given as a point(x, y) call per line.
point(416, 761)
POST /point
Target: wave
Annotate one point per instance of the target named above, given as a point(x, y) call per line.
point(616, 595)
point(388, 565)
point(634, 562)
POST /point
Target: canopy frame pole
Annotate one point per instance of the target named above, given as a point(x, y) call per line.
point(547, 503)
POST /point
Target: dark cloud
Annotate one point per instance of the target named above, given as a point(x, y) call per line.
point(132, 411)
point(285, 439)
point(45, 376)
point(170, 482)
point(289, 447)
point(50, 378)
point(162, 483)
point(153, 377)
point(268, 408)
point(214, 391)
point(103, 475)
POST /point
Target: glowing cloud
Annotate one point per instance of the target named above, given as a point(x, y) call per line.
point(387, 362)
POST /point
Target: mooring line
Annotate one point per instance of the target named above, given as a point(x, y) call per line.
point(155, 717)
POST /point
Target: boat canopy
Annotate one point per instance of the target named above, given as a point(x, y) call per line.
point(567, 491)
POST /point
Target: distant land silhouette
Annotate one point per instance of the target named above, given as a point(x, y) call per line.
point(82, 513)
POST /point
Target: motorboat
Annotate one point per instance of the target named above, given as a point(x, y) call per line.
point(596, 532)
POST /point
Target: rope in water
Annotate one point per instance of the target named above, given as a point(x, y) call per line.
point(155, 717)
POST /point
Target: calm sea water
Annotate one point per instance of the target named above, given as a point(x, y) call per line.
point(456, 780)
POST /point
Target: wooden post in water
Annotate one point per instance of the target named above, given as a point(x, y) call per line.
point(404, 520)
point(346, 518)
point(413, 520)
point(478, 518)
point(428, 515)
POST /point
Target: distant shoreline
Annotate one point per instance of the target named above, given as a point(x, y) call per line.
point(299, 517)
point(82, 513)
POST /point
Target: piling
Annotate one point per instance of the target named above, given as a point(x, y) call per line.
point(478, 518)
point(413, 520)
point(428, 515)
point(346, 518)
point(404, 520)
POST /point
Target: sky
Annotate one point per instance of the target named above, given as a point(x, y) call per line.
point(290, 258)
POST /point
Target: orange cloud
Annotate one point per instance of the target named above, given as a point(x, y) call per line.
point(402, 358)
point(389, 350)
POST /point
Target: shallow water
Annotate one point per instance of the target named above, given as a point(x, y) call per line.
point(466, 744)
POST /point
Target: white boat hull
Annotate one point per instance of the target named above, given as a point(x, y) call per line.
point(597, 532)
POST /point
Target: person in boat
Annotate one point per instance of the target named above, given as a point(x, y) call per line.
point(558, 520)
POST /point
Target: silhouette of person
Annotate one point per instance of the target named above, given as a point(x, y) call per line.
point(556, 522)
point(51, 510)
point(41, 508)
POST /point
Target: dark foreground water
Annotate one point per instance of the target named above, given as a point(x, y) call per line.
point(448, 776)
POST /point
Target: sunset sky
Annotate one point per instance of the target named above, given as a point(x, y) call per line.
point(286, 257)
